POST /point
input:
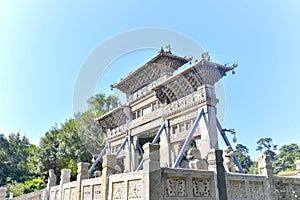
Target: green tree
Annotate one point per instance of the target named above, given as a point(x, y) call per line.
point(266, 145)
point(75, 140)
point(285, 160)
point(242, 154)
point(254, 168)
point(4, 160)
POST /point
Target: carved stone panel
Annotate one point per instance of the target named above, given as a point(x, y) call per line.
point(97, 192)
point(57, 195)
point(201, 187)
point(286, 191)
point(175, 187)
point(256, 190)
point(118, 190)
point(135, 189)
point(66, 194)
point(236, 190)
point(73, 193)
point(87, 193)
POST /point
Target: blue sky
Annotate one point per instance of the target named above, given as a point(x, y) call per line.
point(43, 45)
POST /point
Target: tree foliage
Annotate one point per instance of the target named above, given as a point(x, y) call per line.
point(242, 154)
point(285, 160)
point(266, 145)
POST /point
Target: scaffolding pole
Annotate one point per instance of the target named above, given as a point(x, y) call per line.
point(188, 139)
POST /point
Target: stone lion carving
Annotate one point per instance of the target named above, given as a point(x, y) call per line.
point(228, 163)
point(195, 160)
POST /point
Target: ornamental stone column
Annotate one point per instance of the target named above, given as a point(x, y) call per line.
point(152, 172)
point(82, 173)
point(108, 164)
point(3, 192)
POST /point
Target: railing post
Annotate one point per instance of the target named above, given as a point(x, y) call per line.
point(108, 164)
point(82, 173)
point(64, 178)
point(265, 169)
point(51, 182)
point(152, 172)
point(211, 159)
point(3, 192)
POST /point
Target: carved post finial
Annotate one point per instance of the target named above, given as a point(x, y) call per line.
point(265, 165)
point(65, 176)
point(3, 192)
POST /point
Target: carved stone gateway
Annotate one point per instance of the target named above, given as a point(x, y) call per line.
point(156, 95)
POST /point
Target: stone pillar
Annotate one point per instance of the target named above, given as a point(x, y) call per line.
point(211, 159)
point(135, 153)
point(82, 173)
point(65, 176)
point(297, 162)
point(208, 131)
point(3, 192)
point(165, 148)
point(265, 166)
point(152, 173)
point(108, 164)
point(128, 156)
point(221, 180)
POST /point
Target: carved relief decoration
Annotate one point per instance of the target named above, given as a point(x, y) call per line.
point(87, 193)
point(118, 190)
point(135, 189)
point(236, 189)
point(97, 192)
point(256, 190)
point(175, 187)
point(201, 187)
point(196, 98)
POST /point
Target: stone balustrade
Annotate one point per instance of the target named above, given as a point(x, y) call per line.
point(155, 182)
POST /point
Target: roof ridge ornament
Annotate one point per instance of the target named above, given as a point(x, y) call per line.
point(205, 56)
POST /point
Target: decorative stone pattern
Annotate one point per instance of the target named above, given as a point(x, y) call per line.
point(97, 192)
point(142, 92)
point(201, 187)
point(236, 190)
point(118, 190)
point(184, 103)
point(256, 190)
point(135, 189)
point(87, 193)
point(284, 189)
point(175, 187)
